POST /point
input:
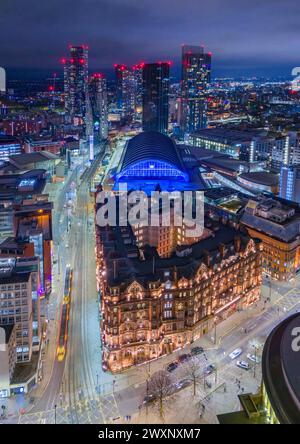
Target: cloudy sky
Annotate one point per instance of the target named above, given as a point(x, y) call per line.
point(257, 36)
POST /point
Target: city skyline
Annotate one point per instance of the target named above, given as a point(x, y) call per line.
point(149, 214)
point(243, 40)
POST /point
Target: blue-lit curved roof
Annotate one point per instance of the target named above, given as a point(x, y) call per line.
point(153, 147)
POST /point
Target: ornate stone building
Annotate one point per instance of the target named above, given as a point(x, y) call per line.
point(152, 306)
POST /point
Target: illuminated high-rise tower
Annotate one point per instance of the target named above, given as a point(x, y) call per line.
point(196, 69)
point(98, 101)
point(125, 85)
point(138, 84)
point(156, 82)
point(76, 81)
point(2, 80)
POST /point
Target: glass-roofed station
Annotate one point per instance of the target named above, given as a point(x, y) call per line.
point(149, 160)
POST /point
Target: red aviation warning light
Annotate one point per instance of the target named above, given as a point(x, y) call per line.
point(98, 75)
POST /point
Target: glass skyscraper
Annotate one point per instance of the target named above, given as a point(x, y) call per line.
point(156, 82)
point(196, 69)
point(98, 101)
point(76, 81)
point(125, 84)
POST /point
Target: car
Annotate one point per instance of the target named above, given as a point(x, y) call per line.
point(197, 351)
point(208, 384)
point(172, 366)
point(253, 358)
point(236, 353)
point(148, 399)
point(209, 369)
point(243, 364)
point(183, 358)
point(181, 384)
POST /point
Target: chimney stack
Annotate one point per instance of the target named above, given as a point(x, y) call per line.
point(222, 249)
point(237, 243)
point(207, 258)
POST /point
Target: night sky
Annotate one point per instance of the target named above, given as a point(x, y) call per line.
point(245, 37)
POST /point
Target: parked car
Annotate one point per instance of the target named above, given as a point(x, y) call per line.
point(209, 369)
point(197, 350)
point(183, 358)
point(208, 384)
point(253, 358)
point(236, 353)
point(243, 364)
point(172, 366)
point(148, 399)
point(182, 384)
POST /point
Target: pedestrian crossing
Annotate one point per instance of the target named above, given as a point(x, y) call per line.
point(101, 411)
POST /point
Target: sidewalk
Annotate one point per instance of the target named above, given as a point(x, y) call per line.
point(19, 403)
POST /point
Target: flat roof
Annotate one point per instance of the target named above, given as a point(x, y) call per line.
point(27, 158)
point(228, 135)
point(261, 177)
point(25, 370)
point(8, 331)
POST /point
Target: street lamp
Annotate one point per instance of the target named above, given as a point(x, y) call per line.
point(215, 332)
point(255, 358)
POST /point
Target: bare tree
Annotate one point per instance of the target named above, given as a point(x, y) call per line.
point(159, 387)
point(192, 370)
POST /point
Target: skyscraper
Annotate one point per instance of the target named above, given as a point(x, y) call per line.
point(290, 183)
point(138, 84)
point(2, 80)
point(125, 85)
point(76, 81)
point(196, 68)
point(156, 82)
point(98, 101)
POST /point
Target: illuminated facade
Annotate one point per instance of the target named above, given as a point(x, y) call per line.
point(166, 239)
point(125, 84)
point(19, 280)
point(151, 159)
point(98, 100)
point(138, 79)
point(9, 146)
point(153, 306)
point(33, 223)
point(290, 183)
point(76, 81)
point(196, 69)
point(156, 83)
point(277, 225)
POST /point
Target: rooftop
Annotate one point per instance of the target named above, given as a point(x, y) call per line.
point(275, 217)
point(124, 262)
point(227, 135)
point(8, 329)
point(147, 146)
point(25, 370)
point(281, 375)
point(262, 178)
